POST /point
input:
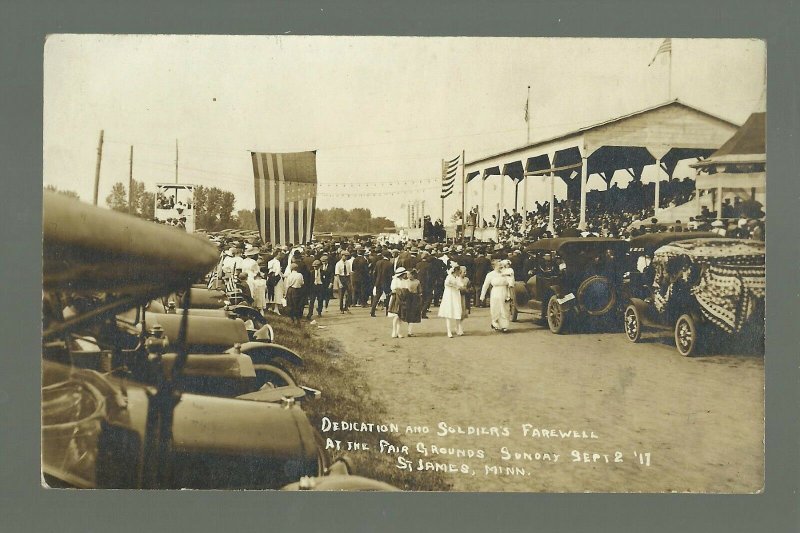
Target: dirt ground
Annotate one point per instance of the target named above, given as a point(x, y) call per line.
point(700, 419)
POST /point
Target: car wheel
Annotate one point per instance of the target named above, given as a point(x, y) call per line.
point(686, 339)
point(556, 316)
point(632, 324)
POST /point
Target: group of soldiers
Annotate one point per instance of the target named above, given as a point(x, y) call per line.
point(359, 272)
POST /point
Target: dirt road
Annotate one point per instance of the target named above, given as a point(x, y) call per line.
point(596, 401)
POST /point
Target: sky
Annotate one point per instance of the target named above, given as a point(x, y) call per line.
point(381, 112)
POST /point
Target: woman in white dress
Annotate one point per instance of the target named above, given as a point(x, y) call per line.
point(451, 307)
point(258, 288)
point(397, 299)
point(501, 281)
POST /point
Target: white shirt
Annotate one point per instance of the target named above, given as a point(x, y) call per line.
point(295, 280)
point(342, 268)
point(274, 266)
point(250, 266)
point(232, 263)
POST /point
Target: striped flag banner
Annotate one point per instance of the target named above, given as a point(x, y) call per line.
point(664, 48)
point(286, 196)
point(449, 176)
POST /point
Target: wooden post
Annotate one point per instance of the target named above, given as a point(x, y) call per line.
point(584, 183)
point(524, 191)
point(97, 166)
point(657, 200)
point(551, 226)
point(481, 215)
point(502, 197)
point(131, 210)
point(440, 194)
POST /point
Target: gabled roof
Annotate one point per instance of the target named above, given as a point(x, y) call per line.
point(605, 123)
point(749, 139)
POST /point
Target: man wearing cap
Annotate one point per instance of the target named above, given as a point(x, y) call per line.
point(343, 271)
point(244, 289)
point(318, 288)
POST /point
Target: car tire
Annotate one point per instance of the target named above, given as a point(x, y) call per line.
point(686, 336)
point(632, 323)
point(556, 316)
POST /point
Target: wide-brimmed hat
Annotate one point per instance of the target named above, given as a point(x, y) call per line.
point(498, 247)
point(718, 224)
point(252, 251)
point(400, 271)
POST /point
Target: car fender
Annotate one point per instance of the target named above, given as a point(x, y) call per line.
point(268, 353)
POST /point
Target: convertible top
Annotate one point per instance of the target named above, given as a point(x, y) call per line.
point(717, 250)
point(569, 244)
point(652, 241)
point(89, 249)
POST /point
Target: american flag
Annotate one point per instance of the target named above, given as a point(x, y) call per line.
point(286, 196)
point(449, 175)
point(666, 47)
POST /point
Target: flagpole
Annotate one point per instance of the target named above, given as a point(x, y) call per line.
point(440, 194)
point(463, 193)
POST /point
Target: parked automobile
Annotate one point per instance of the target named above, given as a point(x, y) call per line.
point(702, 289)
point(570, 278)
point(115, 408)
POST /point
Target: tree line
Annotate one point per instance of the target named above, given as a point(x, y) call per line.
point(214, 210)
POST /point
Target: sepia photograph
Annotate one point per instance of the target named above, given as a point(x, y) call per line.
point(439, 264)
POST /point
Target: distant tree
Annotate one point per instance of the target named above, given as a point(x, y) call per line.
point(246, 219)
point(142, 202)
point(354, 220)
point(213, 208)
point(118, 198)
point(68, 194)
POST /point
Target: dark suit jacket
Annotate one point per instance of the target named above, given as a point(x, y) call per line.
point(383, 274)
point(360, 268)
point(482, 265)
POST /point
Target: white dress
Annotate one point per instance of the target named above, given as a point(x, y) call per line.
point(451, 298)
point(501, 284)
point(250, 267)
point(274, 267)
point(258, 288)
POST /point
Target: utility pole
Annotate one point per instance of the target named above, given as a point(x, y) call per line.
point(176, 160)
point(97, 167)
point(131, 210)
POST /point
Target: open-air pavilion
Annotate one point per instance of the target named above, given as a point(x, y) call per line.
point(661, 135)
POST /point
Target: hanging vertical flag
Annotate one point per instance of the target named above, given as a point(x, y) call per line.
point(449, 176)
point(286, 196)
point(665, 48)
point(527, 104)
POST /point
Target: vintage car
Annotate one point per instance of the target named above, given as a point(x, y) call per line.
point(570, 277)
point(706, 291)
point(115, 408)
point(637, 278)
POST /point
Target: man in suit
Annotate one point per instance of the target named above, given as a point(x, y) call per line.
point(359, 278)
point(327, 267)
point(481, 266)
point(384, 270)
point(320, 281)
point(424, 274)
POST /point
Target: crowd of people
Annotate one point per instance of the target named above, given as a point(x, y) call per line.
point(401, 281)
point(611, 213)
point(405, 280)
